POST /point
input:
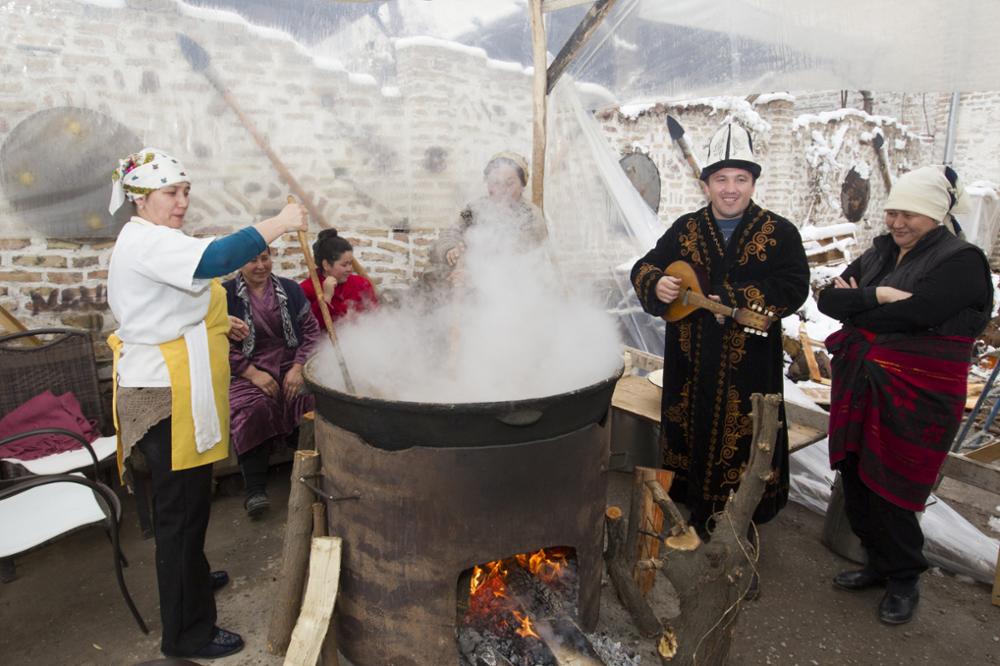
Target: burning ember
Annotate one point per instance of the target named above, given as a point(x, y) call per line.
point(520, 610)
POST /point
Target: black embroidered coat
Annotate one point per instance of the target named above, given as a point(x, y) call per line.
point(711, 370)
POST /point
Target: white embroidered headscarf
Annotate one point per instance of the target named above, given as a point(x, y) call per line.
point(141, 173)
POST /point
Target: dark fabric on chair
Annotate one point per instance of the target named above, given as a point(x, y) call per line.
point(64, 363)
point(181, 506)
point(45, 410)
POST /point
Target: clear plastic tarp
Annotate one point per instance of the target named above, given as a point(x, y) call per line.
point(383, 115)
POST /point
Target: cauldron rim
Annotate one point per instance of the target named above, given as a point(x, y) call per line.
point(469, 407)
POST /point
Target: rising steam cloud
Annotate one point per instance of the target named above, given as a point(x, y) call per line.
point(514, 331)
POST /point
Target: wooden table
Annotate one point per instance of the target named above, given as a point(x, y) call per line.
point(640, 397)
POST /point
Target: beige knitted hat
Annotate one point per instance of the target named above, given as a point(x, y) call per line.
point(933, 191)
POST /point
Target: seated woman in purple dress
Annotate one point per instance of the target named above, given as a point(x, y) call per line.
point(275, 335)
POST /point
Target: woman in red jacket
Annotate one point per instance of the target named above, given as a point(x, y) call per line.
point(343, 291)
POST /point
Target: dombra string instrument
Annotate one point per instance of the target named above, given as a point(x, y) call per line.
point(692, 297)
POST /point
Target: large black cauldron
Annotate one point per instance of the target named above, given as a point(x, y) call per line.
point(396, 425)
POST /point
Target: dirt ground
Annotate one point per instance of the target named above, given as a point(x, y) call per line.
point(64, 607)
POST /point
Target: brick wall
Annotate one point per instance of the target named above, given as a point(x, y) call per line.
point(390, 166)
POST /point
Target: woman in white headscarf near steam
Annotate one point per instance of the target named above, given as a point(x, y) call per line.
point(911, 307)
point(171, 370)
point(504, 207)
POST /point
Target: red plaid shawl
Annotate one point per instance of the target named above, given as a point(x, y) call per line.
point(897, 405)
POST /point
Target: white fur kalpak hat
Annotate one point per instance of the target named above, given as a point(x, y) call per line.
point(731, 147)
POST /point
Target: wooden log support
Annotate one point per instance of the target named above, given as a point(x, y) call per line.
point(620, 568)
point(712, 580)
point(311, 628)
point(298, 528)
point(643, 541)
point(584, 31)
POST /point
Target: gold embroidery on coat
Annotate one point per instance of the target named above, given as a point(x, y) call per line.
point(677, 412)
point(738, 426)
point(689, 242)
point(684, 338)
point(758, 244)
point(753, 296)
point(735, 342)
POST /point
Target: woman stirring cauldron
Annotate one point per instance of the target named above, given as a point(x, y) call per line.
point(172, 378)
point(504, 208)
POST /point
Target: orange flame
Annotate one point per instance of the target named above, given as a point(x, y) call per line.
point(546, 565)
point(482, 574)
point(525, 630)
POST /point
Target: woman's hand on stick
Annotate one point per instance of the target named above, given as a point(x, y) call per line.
point(293, 217)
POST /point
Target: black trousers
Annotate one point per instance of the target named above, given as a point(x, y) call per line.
point(890, 534)
point(253, 464)
point(181, 506)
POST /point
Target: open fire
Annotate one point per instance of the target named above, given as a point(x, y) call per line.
point(521, 611)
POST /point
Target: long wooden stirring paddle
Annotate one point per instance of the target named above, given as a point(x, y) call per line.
point(323, 309)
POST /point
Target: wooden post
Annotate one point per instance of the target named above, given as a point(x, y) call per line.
point(295, 555)
point(712, 579)
point(645, 519)
point(540, 83)
point(620, 567)
point(317, 608)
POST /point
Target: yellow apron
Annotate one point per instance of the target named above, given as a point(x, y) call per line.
point(184, 454)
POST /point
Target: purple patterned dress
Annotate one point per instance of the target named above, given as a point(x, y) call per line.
point(255, 417)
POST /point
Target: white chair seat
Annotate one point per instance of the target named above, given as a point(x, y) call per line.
point(67, 461)
point(39, 514)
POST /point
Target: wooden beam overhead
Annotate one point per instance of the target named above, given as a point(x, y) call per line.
point(577, 40)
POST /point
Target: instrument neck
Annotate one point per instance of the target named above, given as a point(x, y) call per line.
point(694, 298)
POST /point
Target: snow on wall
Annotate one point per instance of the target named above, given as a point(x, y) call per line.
point(805, 157)
point(388, 167)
